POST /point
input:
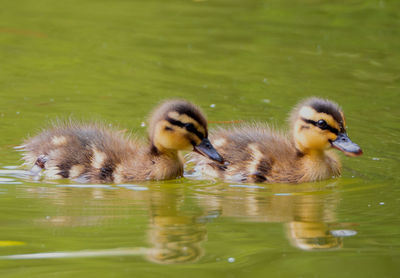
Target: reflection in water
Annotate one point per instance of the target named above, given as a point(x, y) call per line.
point(78, 254)
point(176, 239)
point(175, 232)
point(312, 236)
point(176, 225)
point(178, 214)
point(310, 227)
point(308, 211)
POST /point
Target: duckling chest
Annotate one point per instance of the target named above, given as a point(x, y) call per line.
point(319, 168)
point(165, 168)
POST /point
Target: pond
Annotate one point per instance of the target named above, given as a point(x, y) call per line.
point(240, 61)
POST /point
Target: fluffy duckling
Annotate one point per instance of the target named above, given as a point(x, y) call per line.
point(257, 153)
point(94, 153)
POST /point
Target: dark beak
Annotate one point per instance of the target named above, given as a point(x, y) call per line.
point(344, 144)
point(205, 148)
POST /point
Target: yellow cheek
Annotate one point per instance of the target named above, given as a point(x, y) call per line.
point(174, 141)
point(312, 137)
point(313, 140)
point(319, 141)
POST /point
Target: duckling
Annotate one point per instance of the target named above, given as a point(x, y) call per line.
point(258, 153)
point(95, 153)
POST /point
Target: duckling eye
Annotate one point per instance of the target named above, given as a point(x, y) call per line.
point(190, 127)
point(322, 124)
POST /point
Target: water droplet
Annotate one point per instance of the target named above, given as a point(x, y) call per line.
point(212, 105)
point(231, 260)
point(343, 233)
point(143, 124)
point(382, 203)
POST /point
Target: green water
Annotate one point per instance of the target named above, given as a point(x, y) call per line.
point(239, 60)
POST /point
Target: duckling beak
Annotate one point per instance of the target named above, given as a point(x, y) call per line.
point(206, 148)
point(344, 144)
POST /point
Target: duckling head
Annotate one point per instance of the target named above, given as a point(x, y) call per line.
point(319, 124)
point(180, 125)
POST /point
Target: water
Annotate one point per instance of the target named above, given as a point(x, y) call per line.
point(240, 61)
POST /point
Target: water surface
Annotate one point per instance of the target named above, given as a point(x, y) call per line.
point(240, 61)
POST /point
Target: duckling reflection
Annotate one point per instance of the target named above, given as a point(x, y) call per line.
point(308, 211)
point(175, 220)
point(175, 231)
point(312, 223)
point(177, 225)
point(312, 236)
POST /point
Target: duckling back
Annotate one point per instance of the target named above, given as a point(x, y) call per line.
point(82, 152)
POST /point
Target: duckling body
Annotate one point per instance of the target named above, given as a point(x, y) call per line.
point(94, 153)
point(98, 154)
point(258, 153)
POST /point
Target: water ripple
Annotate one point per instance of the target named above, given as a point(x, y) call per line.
point(86, 186)
point(79, 254)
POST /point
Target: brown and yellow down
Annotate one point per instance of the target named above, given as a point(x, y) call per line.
point(258, 153)
point(95, 153)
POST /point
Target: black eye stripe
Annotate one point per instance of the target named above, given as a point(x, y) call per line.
point(192, 129)
point(189, 127)
point(327, 127)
